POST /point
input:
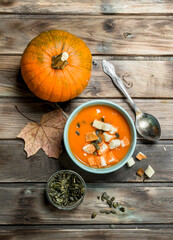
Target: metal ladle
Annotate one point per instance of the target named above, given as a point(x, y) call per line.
point(146, 124)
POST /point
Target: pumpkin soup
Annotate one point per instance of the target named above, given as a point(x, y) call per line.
point(99, 136)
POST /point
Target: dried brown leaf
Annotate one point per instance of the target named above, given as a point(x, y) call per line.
point(46, 135)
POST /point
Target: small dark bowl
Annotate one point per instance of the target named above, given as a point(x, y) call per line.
point(72, 206)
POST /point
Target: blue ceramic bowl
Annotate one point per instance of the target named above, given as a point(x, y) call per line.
point(132, 129)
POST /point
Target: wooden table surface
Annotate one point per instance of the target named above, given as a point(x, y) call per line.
point(137, 37)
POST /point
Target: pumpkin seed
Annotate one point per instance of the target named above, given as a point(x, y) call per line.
point(112, 199)
point(115, 205)
point(98, 197)
point(78, 133)
point(78, 125)
point(102, 211)
point(102, 119)
point(122, 209)
point(95, 153)
point(99, 140)
point(113, 211)
point(94, 214)
point(107, 211)
point(97, 146)
point(117, 135)
point(97, 132)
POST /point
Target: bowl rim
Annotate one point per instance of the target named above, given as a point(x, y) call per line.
point(132, 129)
point(76, 203)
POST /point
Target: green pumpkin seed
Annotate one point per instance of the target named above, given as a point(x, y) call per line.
point(78, 133)
point(102, 119)
point(117, 135)
point(112, 199)
point(78, 125)
point(94, 214)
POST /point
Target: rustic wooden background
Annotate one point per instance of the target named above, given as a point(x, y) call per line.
point(137, 36)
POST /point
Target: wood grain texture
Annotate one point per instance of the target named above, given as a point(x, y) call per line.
point(141, 78)
point(39, 167)
point(121, 234)
point(12, 122)
point(103, 35)
point(27, 204)
point(87, 7)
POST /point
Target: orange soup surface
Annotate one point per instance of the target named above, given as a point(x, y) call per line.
point(99, 136)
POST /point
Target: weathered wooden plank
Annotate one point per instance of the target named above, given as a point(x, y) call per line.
point(39, 167)
point(87, 7)
point(108, 35)
point(12, 122)
point(144, 204)
point(141, 78)
point(122, 234)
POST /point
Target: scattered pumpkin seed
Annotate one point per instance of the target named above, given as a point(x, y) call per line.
point(122, 209)
point(99, 140)
point(94, 214)
point(112, 226)
point(95, 153)
point(112, 199)
point(102, 211)
point(78, 125)
point(78, 133)
point(107, 211)
point(115, 205)
point(113, 211)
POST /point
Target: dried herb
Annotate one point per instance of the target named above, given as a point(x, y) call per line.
point(78, 133)
point(65, 189)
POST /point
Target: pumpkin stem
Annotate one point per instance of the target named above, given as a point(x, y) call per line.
point(60, 61)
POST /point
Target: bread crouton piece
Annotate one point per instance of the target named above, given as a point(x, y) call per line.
point(108, 137)
point(114, 144)
point(101, 161)
point(149, 171)
point(140, 156)
point(125, 142)
point(140, 172)
point(91, 136)
point(92, 161)
point(113, 130)
point(103, 148)
point(89, 148)
point(98, 124)
point(111, 158)
point(106, 127)
point(130, 162)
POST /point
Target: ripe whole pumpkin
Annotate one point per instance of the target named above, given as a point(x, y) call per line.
point(56, 66)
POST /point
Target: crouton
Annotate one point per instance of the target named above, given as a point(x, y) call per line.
point(101, 161)
point(92, 161)
point(103, 148)
point(114, 143)
point(89, 148)
point(106, 127)
point(91, 136)
point(149, 171)
point(97, 124)
point(140, 172)
point(140, 156)
point(107, 137)
point(130, 162)
point(125, 142)
point(111, 158)
point(113, 130)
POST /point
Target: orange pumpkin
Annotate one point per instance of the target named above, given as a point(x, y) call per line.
point(56, 66)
